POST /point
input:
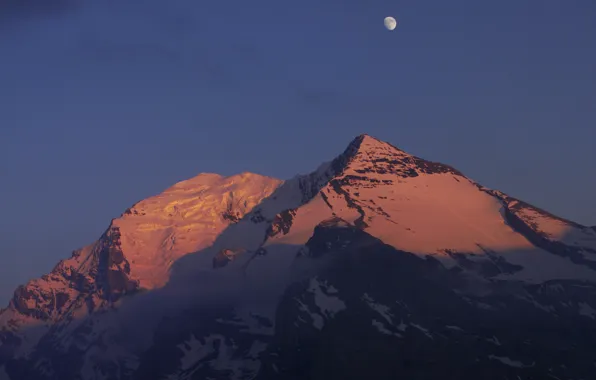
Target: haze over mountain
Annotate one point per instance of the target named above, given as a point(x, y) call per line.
point(378, 264)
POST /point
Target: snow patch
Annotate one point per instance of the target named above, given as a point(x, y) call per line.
point(547, 308)
point(382, 329)
point(507, 361)
point(454, 328)
point(402, 326)
point(384, 311)
point(494, 340)
point(317, 320)
point(586, 310)
point(194, 350)
point(425, 331)
point(328, 304)
point(484, 306)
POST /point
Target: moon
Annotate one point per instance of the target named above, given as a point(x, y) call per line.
point(390, 23)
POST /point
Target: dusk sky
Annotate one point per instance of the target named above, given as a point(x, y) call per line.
point(104, 103)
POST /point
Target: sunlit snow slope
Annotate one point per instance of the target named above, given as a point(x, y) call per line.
point(134, 253)
point(432, 209)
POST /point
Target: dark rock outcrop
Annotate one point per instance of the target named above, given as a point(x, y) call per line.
point(113, 275)
point(407, 317)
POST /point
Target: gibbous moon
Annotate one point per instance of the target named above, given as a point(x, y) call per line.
point(390, 23)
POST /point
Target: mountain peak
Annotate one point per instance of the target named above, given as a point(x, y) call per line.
point(365, 143)
point(366, 137)
point(369, 138)
point(367, 154)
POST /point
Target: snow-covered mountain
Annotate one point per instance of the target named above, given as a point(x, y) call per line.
point(379, 264)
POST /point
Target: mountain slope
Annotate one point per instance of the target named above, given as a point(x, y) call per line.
point(404, 316)
point(432, 209)
point(133, 254)
point(247, 277)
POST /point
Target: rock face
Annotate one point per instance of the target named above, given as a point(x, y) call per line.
point(379, 264)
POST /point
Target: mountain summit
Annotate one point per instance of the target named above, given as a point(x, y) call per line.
point(379, 264)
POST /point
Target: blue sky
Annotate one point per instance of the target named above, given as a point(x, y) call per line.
point(103, 103)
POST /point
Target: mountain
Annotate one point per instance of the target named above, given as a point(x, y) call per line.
point(378, 264)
